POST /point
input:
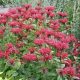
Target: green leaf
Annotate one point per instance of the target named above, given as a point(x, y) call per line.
point(10, 72)
point(59, 78)
point(17, 65)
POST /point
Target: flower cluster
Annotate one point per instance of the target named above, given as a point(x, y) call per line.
point(37, 36)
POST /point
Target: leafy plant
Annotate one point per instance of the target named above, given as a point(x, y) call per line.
point(36, 42)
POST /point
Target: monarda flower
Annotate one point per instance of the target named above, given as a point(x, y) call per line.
point(68, 71)
point(7, 15)
point(51, 42)
point(9, 45)
point(46, 57)
point(65, 39)
point(50, 8)
point(64, 55)
point(63, 14)
point(60, 45)
point(67, 62)
point(50, 14)
point(13, 23)
point(13, 50)
point(44, 51)
point(6, 54)
point(38, 8)
point(1, 32)
point(20, 9)
point(15, 16)
point(55, 25)
point(64, 20)
point(32, 49)
point(12, 11)
point(48, 32)
point(12, 61)
point(27, 27)
point(27, 6)
point(58, 54)
point(71, 37)
point(75, 52)
point(40, 32)
point(39, 16)
point(59, 35)
point(16, 30)
point(3, 21)
point(29, 57)
point(39, 41)
point(33, 11)
point(27, 15)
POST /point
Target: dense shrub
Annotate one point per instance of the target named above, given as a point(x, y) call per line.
point(35, 44)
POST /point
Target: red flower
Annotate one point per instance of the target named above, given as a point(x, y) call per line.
point(62, 72)
point(8, 14)
point(19, 9)
point(39, 41)
point(60, 45)
point(59, 35)
point(67, 71)
point(13, 23)
point(45, 51)
point(51, 14)
point(55, 25)
point(64, 20)
point(15, 16)
point(27, 6)
point(33, 11)
point(29, 57)
point(32, 49)
point(27, 15)
point(1, 32)
point(38, 16)
point(64, 55)
point(72, 37)
point(75, 52)
point(11, 61)
point(12, 11)
point(65, 39)
point(38, 8)
point(58, 54)
point(48, 32)
point(13, 50)
point(27, 27)
point(3, 21)
point(63, 14)
point(16, 30)
point(9, 45)
point(50, 8)
point(71, 71)
point(46, 57)
point(67, 62)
